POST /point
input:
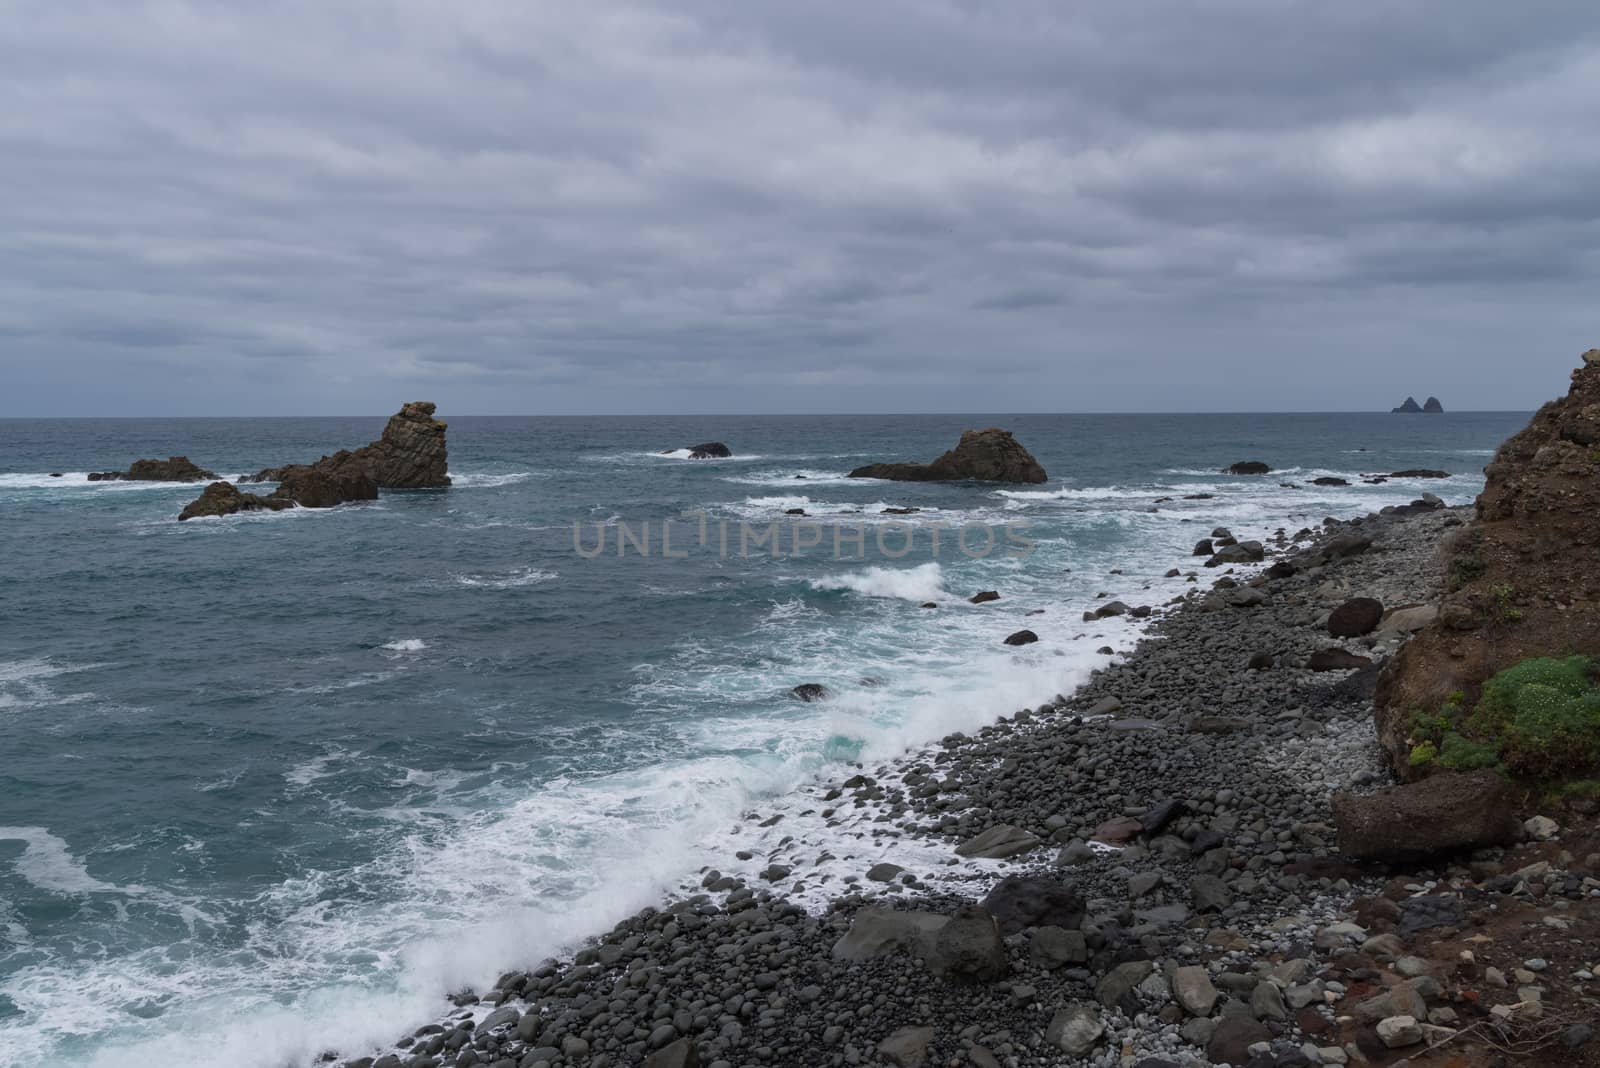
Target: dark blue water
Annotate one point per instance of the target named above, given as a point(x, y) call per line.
point(278, 781)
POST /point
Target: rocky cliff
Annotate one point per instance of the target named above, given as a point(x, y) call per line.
point(409, 455)
point(991, 455)
point(1522, 581)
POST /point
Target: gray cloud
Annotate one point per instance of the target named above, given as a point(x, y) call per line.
point(723, 205)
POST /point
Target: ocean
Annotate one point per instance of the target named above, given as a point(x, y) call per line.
point(276, 783)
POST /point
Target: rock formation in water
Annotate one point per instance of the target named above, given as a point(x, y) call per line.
point(409, 455)
point(1432, 405)
point(710, 450)
point(224, 498)
point(172, 469)
point(1408, 407)
point(991, 455)
point(1522, 579)
point(1247, 467)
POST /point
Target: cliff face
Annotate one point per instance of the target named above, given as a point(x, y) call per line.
point(1522, 579)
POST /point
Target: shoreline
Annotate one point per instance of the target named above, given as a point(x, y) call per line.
point(628, 992)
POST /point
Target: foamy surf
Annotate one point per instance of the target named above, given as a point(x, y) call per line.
point(924, 582)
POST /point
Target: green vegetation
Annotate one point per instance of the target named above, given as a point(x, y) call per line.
point(1539, 718)
point(1504, 605)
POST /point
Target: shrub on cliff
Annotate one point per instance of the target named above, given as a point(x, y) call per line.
point(1537, 718)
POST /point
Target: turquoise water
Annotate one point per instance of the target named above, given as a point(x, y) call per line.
point(275, 783)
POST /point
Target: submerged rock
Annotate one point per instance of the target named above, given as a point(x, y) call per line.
point(811, 691)
point(172, 469)
point(1247, 467)
point(991, 455)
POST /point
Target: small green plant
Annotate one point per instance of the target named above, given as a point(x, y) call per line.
point(1456, 699)
point(1465, 569)
point(1463, 754)
point(1423, 753)
point(1504, 604)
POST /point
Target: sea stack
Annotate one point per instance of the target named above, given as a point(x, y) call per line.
point(1432, 406)
point(990, 455)
point(409, 455)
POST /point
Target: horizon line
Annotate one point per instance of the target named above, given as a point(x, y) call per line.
point(774, 415)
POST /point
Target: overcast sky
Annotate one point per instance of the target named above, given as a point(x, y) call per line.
point(522, 206)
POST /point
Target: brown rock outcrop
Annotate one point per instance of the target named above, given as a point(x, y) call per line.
point(1521, 580)
point(172, 469)
point(224, 498)
point(409, 455)
point(1444, 814)
point(991, 455)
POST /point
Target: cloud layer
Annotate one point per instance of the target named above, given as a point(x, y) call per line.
point(715, 205)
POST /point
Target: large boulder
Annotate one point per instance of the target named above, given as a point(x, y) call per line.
point(878, 933)
point(1247, 467)
point(172, 469)
point(1244, 552)
point(997, 843)
point(1357, 616)
point(1420, 472)
point(1335, 659)
point(1018, 902)
point(969, 946)
point(410, 454)
point(1447, 813)
point(1432, 405)
point(224, 498)
point(991, 455)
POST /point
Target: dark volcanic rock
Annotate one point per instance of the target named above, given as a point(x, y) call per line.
point(1022, 637)
point(409, 455)
point(969, 946)
point(1432, 405)
point(984, 597)
point(1445, 813)
point(1247, 467)
point(315, 487)
point(810, 691)
point(1231, 1041)
point(1336, 659)
point(173, 469)
point(1018, 902)
point(1408, 407)
point(224, 498)
point(1419, 472)
point(991, 455)
point(1329, 480)
point(1357, 616)
point(710, 450)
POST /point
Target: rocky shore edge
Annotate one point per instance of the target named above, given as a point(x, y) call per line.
point(1144, 875)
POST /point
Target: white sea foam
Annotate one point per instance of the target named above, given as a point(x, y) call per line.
point(803, 477)
point(406, 645)
point(924, 582)
point(479, 481)
point(48, 864)
point(318, 767)
point(507, 580)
